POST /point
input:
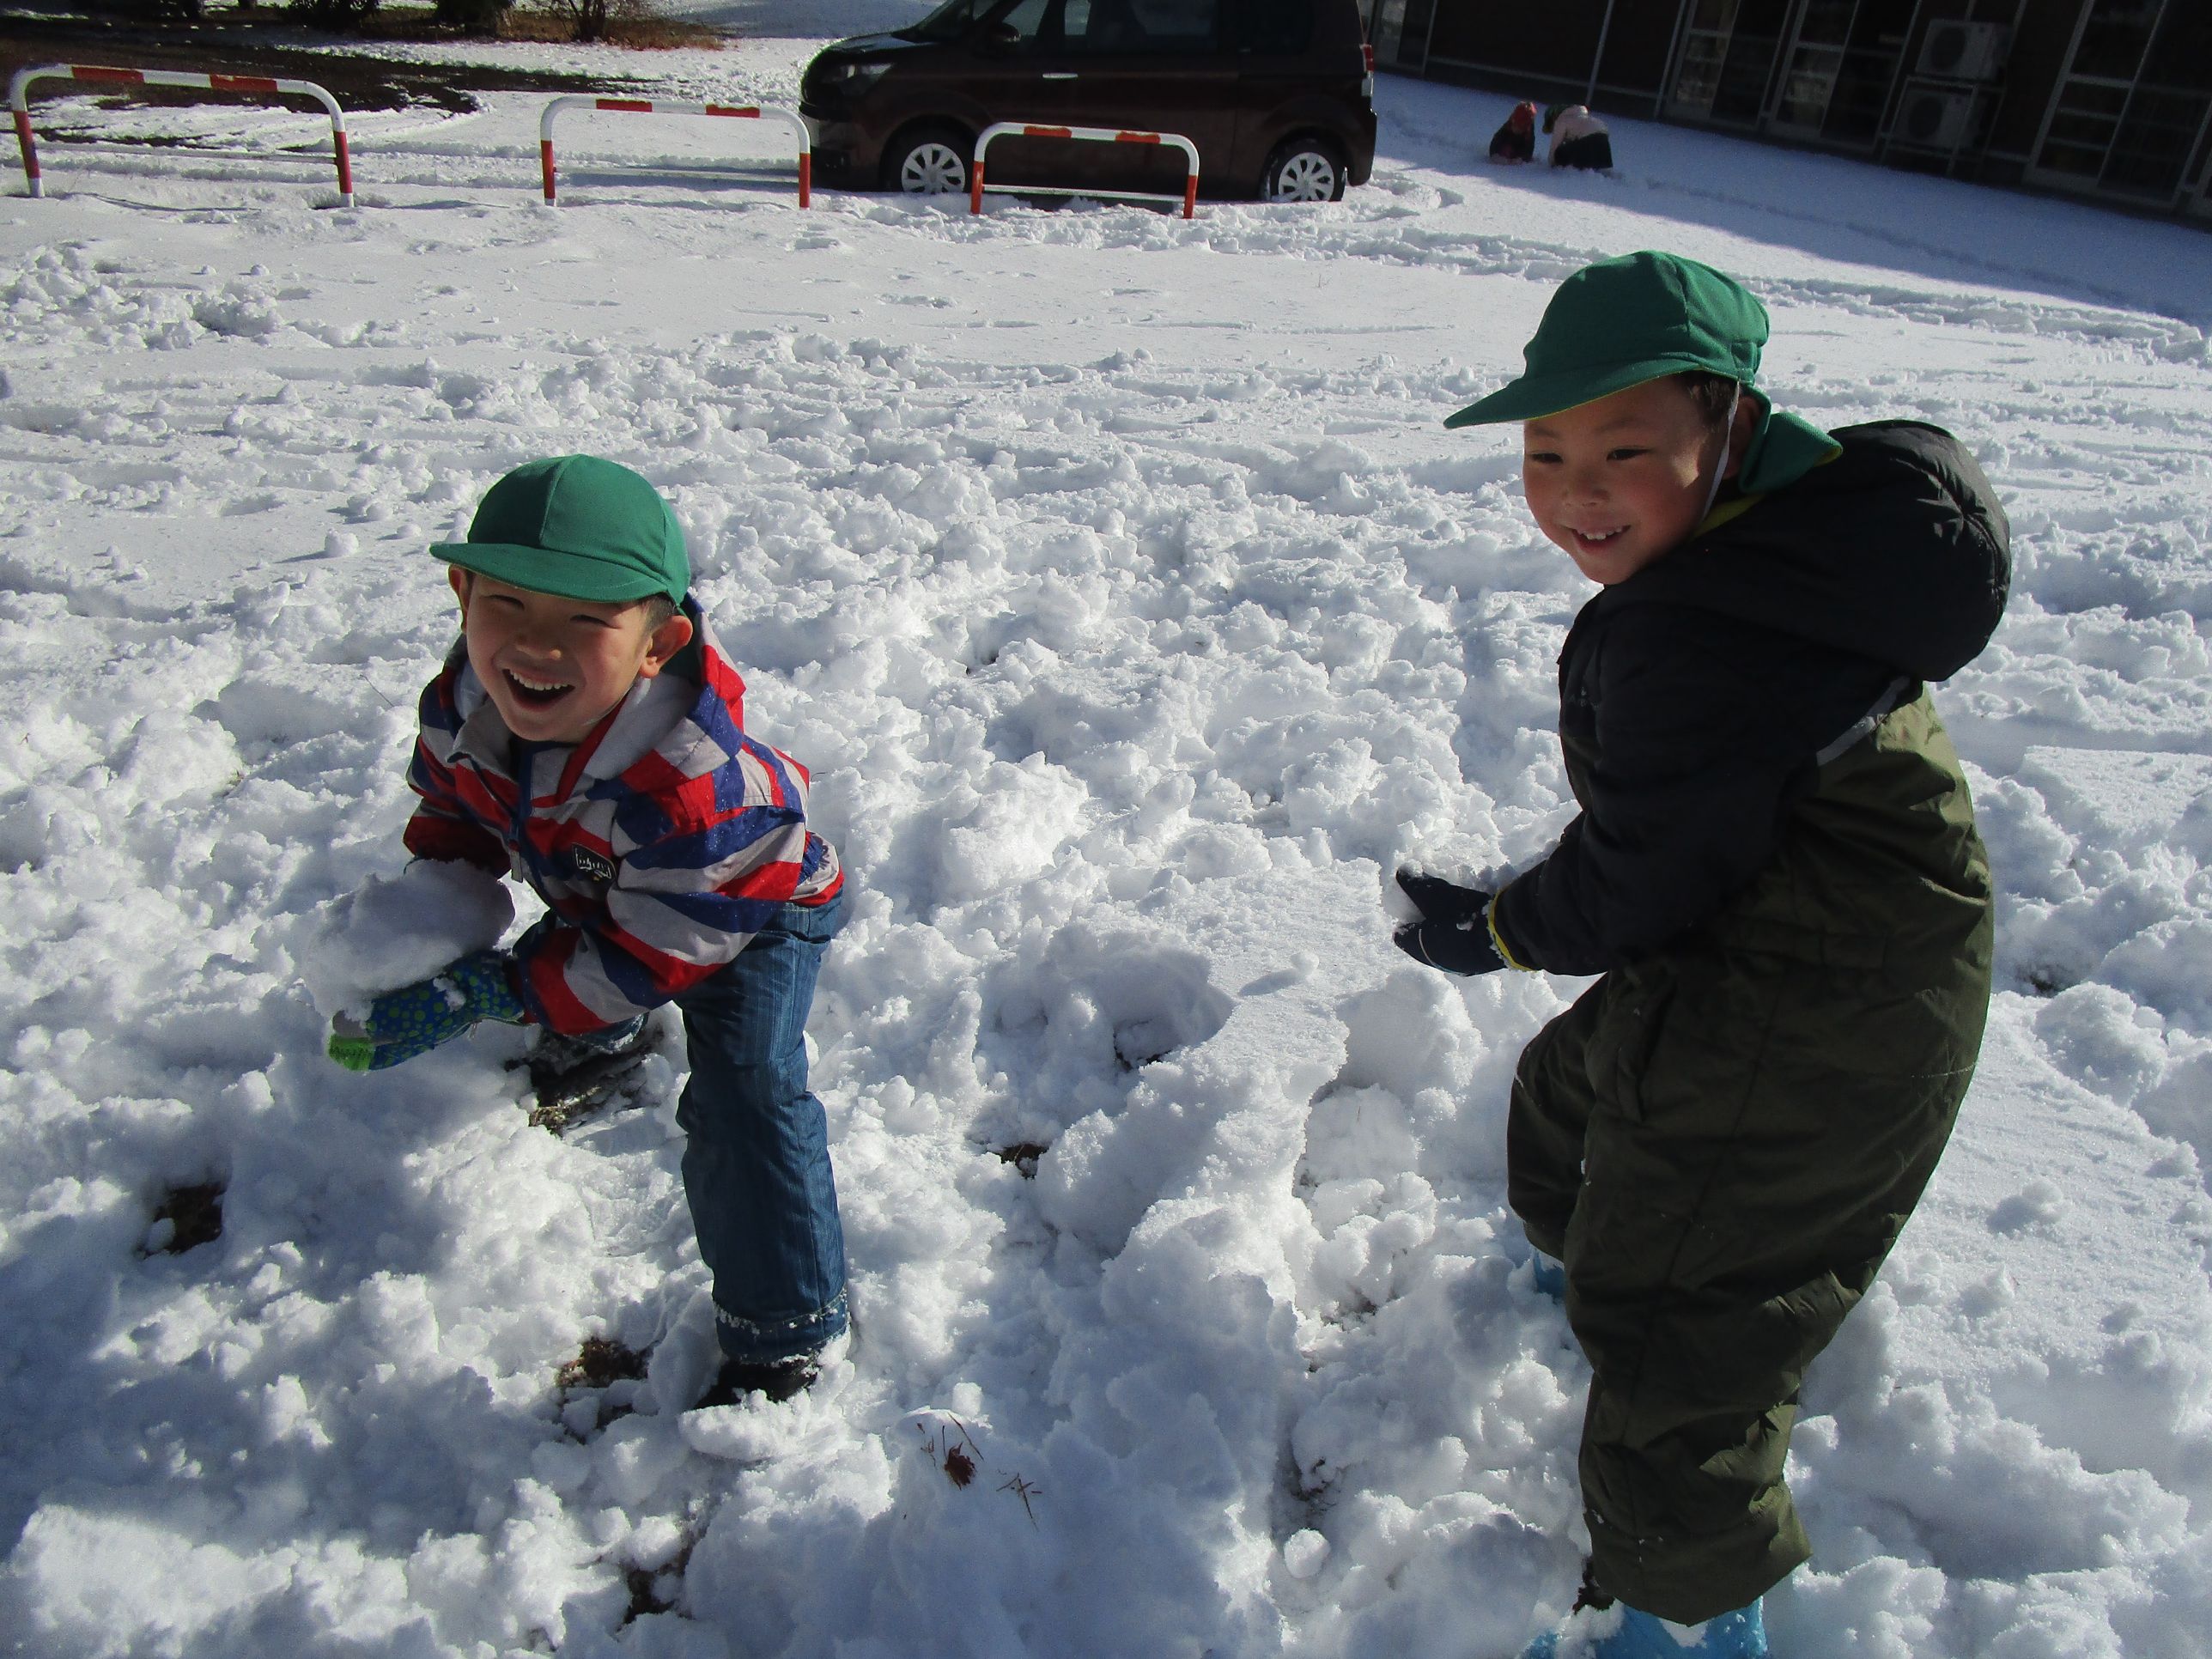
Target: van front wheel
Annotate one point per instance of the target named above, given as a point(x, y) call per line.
point(929, 161)
point(1305, 169)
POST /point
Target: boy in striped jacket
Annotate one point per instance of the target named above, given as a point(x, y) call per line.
point(586, 735)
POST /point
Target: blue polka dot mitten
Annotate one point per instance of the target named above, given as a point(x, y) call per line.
point(417, 1018)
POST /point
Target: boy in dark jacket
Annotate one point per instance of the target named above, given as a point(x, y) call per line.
point(588, 735)
point(1776, 872)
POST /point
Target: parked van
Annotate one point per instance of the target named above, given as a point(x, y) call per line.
point(1278, 96)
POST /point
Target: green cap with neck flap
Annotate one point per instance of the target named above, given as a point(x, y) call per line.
point(1642, 317)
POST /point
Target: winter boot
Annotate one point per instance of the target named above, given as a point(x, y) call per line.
point(572, 1077)
point(776, 1383)
point(775, 1380)
point(1620, 1631)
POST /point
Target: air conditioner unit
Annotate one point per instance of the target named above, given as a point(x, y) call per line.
point(1964, 51)
point(1934, 118)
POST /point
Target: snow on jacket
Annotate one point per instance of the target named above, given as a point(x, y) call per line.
point(661, 843)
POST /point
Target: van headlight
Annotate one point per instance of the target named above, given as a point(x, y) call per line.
point(851, 76)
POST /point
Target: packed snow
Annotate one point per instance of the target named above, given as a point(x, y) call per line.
point(1115, 577)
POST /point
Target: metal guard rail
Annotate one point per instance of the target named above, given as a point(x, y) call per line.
point(664, 106)
point(1092, 135)
point(102, 75)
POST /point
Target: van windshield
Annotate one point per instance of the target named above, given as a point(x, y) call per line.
point(948, 23)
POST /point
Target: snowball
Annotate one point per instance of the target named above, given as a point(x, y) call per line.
point(2039, 1204)
point(1305, 1554)
point(399, 929)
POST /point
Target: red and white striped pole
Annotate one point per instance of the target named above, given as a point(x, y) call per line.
point(30, 148)
point(663, 107)
point(105, 75)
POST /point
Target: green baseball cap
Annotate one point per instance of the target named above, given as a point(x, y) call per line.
point(579, 527)
point(1622, 322)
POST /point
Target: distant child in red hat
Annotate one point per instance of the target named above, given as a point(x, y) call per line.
point(1516, 141)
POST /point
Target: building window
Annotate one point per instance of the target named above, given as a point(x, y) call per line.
point(2133, 112)
point(1813, 68)
point(2113, 39)
point(1728, 58)
point(1844, 60)
point(1872, 59)
point(1400, 31)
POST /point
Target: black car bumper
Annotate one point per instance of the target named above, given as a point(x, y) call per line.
point(842, 156)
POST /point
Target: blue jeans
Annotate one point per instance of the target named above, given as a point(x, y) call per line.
point(756, 1166)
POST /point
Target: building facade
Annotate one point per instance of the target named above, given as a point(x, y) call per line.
point(2111, 99)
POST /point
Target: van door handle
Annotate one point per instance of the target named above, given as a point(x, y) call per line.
point(1059, 75)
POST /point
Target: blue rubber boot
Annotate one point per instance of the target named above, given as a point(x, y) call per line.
point(1547, 1276)
point(1623, 1633)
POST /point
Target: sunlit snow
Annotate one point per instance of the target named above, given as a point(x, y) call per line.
point(1136, 615)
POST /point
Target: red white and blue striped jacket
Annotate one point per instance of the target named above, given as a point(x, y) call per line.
point(662, 842)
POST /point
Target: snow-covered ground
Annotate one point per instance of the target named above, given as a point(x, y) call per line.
point(1136, 613)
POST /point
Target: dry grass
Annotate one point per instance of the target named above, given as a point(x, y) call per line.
point(635, 24)
point(602, 1362)
point(641, 29)
point(194, 1212)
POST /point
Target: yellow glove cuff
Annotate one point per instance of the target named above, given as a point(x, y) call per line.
point(1497, 940)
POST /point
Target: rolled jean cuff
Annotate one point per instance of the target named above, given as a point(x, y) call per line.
point(757, 1342)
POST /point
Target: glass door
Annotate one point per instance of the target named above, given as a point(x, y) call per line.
point(1873, 62)
point(1727, 61)
point(2136, 103)
point(1843, 62)
point(1386, 25)
point(1398, 31)
point(1816, 63)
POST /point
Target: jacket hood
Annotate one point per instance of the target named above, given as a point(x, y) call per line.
point(1895, 550)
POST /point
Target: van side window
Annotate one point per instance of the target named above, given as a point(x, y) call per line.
point(1274, 27)
point(947, 22)
point(1140, 26)
point(1175, 25)
point(1027, 19)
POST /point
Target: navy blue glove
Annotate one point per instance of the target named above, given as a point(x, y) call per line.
point(417, 1017)
point(1454, 931)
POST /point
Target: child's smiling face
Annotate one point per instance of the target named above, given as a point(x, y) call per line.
point(555, 667)
point(1619, 482)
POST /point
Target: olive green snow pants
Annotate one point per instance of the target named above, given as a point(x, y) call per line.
point(1722, 1150)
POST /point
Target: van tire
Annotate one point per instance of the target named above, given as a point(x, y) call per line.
point(1305, 168)
point(928, 160)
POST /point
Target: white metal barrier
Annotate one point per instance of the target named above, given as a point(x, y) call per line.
point(1095, 135)
point(663, 107)
point(100, 74)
